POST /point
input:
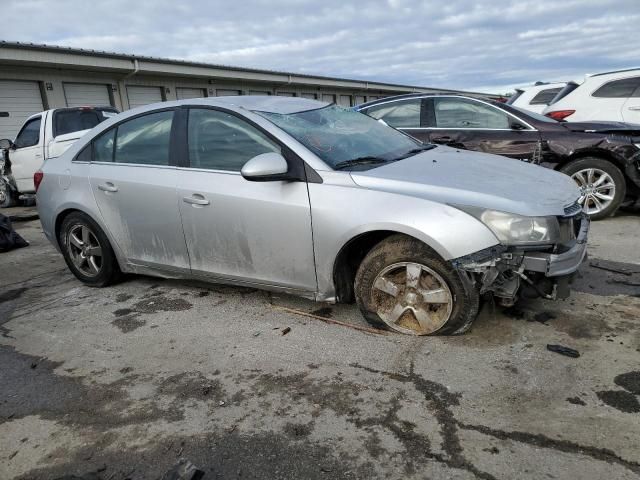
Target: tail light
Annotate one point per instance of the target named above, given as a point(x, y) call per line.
point(37, 179)
point(560, 114)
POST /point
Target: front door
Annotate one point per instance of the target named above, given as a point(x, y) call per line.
point(257, 232)
point(26, 155)
point(135, 188)
point(474, 125)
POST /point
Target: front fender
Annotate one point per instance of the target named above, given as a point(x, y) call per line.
point(341, 213)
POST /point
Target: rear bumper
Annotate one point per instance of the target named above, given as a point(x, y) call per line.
point(560, 264)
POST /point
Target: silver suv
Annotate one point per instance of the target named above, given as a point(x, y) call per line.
point(308, 198)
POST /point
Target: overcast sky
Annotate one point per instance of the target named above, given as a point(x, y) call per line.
point(462, 44)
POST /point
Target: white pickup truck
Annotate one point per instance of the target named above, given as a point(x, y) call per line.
point(43, 136)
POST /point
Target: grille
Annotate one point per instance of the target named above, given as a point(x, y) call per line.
point(572, 210)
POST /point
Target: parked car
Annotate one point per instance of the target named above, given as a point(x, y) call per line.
point(44, 135)
point(610, 96)
point(536, 97)
point(309, 198)
point(603, 158)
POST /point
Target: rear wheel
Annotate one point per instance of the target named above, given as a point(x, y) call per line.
point(404, 286)
point(602, 185)
point(87, 251)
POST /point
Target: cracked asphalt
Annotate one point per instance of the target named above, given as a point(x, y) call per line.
point(121, 382)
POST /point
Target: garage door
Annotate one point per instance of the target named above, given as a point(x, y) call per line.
point(86, 94)
point(18, 100)
point(183, 93)
point(226, 93)
point(139, 96)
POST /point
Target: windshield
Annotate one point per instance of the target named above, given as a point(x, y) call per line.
point(343, 137)
point(534, 115)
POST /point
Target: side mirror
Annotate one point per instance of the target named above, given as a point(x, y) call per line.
point(517, 126)
point(266, 167)
point(6, 144)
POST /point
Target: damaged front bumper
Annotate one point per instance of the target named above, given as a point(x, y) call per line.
point(546, 271)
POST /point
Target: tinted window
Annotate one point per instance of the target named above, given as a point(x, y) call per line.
point(67, 121)
point(545, 96)
point(336, 134)
point(103, 147)
point(144, 140)
point(619, 88)
point(30, 134)
point(398, 114)
point(221, 141)
point(463, 113)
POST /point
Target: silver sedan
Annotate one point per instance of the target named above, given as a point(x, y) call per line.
point(304, 197)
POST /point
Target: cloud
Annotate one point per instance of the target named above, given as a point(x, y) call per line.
point(463, 44)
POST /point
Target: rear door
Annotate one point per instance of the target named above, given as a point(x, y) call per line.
point(134, 185)
point(475, 125)
point(236, 229)
point(631, 108)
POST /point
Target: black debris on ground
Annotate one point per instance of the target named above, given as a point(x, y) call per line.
point(562, 350)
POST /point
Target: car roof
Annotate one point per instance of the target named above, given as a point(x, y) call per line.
point(615, 71)
point(419, 95)
point(259, 103)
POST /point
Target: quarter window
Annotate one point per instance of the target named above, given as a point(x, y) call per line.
point(103, 146)
point(144, 140)
point(402, 114)
point(30, 134)
point(221, 141)
point(461, 113)
point(626, 87)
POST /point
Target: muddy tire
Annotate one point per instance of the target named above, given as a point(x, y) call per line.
point(602, 185)
point(403, 285)
point(87, 251)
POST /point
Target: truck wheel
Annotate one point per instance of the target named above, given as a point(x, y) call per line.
point(405, 286)
point(7, 196)
point(602, 185)
point(87, 251)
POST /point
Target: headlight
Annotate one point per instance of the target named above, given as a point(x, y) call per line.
point(512, 229)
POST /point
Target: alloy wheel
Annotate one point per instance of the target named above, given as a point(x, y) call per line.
point(412, 298)
point(84, 250)
point(597, 189)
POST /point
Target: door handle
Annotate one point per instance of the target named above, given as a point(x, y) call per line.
point(108, 187)
point(196, 199)
point(444, 139)
point(634, 108)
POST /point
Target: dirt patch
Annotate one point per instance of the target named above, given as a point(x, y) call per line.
point(576, 401)
point(298, 430)
point(630, 381)
point(326, 312)
point(12, 294)
point(160, 303)
point(129, 323)
point(606, 278)
point(620, 400)
point(193, 385)
point(121, 312)
point(123, 297)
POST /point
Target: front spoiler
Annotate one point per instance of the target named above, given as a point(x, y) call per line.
point(559, 264)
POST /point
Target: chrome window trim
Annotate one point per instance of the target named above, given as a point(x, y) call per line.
point(168, 167)
point(528, 125)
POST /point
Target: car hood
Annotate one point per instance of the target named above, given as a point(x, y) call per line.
point(619, 128)
point(461, 177)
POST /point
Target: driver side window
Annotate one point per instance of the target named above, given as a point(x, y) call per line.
point(401, 114)
point(462, 113)
point(30, 134)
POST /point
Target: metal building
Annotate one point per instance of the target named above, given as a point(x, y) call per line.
point(38, 77)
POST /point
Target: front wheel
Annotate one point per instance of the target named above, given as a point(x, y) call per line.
point(602, 185)
point(405, 286)
point(7, 196)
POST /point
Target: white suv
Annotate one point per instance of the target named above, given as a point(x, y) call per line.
point(537, 97)
point(613, 96)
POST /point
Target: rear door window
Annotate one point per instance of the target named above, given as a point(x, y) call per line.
point(30, 134)
point(144, 140)
point(624, 88)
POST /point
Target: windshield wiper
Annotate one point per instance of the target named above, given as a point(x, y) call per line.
point(368, 160)
point(415, 151)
